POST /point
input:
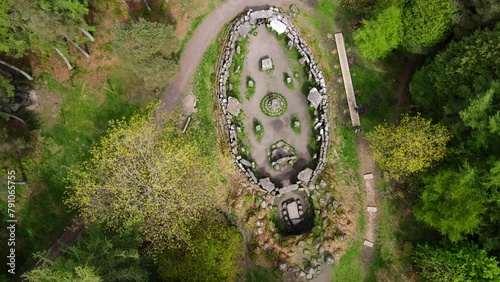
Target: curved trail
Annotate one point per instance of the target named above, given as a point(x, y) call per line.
point(204, 35)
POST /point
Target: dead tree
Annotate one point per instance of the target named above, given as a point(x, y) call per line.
point(29, 77)
point(70, 67)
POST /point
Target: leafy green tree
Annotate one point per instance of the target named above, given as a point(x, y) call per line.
point(216, 256)
point(95, 257)
point(379, 36)
point(52, 273)
point(445, 86)
point(37, 25)
point(408, 147)
point(456, 263)
point(426, 23)
point(149, 49)
point(474, 14)
point(453, 202)
point(146, 173)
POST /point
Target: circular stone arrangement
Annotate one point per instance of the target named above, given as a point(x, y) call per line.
point(273, 105)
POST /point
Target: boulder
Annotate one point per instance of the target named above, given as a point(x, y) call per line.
point(233, 106)
point(266, 64)
point(267, 184)
point(305, 175)
point(278, 26)
point(314, 97)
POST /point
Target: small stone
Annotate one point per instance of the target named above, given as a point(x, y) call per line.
point(263, 205)
point(288, 80)
point(250, 83)
point(258, 128)
point(238, 49)
point(301, 244)
point(283, 266)
point(329, 260)
point(237, 69)
point(296, 124)
point(322, 183)
point(260, 231)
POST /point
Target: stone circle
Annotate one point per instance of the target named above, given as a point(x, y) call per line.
point(273, 105)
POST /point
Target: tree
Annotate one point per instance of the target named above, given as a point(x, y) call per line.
point(149, 174)
point(95, 257)
point(457, 263)
point(445, 86)
point(426, 23)
point(378, 37)
point(216, 256)
point(474, 14)
point(408, 147)
point(37, 25)
point(149, 49)
point(453, 202)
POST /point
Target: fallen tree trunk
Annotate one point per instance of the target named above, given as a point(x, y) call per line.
point(29, 77)
point(12, 116)
point(84, 31)
point(70, 67)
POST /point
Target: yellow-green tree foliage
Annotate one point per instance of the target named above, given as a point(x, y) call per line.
point(148, 173)
point(408, 147)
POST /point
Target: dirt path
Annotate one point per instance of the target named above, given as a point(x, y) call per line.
point(369, 176)
point(206, 34)
point(403, 91)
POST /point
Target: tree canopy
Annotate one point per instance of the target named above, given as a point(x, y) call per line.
point(146, 173)
point(426, 23)
point(453, 202)
point(216, 256)
point(149, 49)
point(96, 256)
point(37, 25)
point(465, 262)
point(379, 36)
point(408, 147)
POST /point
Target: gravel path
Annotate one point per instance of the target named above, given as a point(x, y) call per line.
point(206, 34)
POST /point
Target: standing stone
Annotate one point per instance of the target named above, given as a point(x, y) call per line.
point(238, 49)
point(250, 83)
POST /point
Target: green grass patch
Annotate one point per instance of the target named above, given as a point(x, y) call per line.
point(250, 90)
point(260, 132)
point(376, 94)
point(238, 61)
point(290, 84)
point(350, 266)
point(296, 129)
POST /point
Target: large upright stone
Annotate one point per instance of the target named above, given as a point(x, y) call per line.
point(233, 106)
point(267, 184)
point(305, 175)
point(314, 97)
point(266, 64)
point(278, 26)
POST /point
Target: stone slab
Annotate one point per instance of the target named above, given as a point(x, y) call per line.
point(369, 244)
point(368, 176)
